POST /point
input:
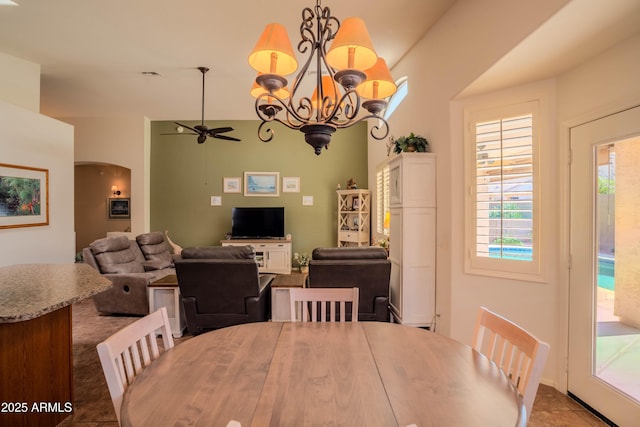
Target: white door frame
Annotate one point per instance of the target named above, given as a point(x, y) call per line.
point(583, 384)
point(564, 181)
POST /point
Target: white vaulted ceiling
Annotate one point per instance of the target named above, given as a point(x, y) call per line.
point(93, 52)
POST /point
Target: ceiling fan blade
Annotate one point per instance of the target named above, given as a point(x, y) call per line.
point(228, 138)
point(215, 131)
point(188, 127)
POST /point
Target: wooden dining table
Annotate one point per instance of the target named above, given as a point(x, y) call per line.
point(325, 374)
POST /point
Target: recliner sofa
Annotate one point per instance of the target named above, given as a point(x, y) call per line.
point(131, 265)
point(366, 268)
point(220, 286)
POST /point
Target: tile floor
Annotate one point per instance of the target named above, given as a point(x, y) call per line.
point(553, 409)
point(93, 406)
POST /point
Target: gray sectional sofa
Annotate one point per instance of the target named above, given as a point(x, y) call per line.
point(130, 265)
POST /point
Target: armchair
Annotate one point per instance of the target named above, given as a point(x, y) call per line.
point(366, 268)
point(220, 286)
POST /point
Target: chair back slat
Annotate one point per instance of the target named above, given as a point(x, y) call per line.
point(518, 353)
point(120, 354)
point(120, 372)
point(135, 357)
point(335, 299)
point(128, 365)
point(146, 356)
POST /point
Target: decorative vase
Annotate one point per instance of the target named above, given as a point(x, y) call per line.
point(410, 148)
point(304, 269)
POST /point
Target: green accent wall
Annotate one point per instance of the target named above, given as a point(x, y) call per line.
point(185, 174)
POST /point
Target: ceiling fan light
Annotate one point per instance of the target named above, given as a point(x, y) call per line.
point(352, 47)
point(273, 53)
point(379, 83)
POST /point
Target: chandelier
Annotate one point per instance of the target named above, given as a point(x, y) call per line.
point(349, 78)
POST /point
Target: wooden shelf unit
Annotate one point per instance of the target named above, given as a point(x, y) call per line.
point(354, 218)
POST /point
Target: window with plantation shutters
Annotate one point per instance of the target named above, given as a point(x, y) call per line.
point(504, 188)
point(502, 233)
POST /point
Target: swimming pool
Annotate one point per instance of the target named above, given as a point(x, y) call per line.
point(606, 265)
point(606, 270)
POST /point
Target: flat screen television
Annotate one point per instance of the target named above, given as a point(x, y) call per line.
point(257, 223)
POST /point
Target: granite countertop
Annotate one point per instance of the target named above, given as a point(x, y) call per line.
point(28, 291)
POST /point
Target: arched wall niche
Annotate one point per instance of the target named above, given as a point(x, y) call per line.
point(93, 189)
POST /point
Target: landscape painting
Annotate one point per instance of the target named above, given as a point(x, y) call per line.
point(262, 184)
point(24, 196)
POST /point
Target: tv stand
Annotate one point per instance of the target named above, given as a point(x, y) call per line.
point(272, 255)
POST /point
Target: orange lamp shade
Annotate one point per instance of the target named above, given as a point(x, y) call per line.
point(328, 90)
point(379, 83)
point(273, 53)
point(257, 90)
point(352, 47)
point(387, 219)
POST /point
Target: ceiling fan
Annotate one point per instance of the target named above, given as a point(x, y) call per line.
point(202, 130)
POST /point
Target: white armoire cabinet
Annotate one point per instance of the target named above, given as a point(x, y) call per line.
point(412, 238)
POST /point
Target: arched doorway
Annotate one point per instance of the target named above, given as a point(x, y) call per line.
point(95, 184)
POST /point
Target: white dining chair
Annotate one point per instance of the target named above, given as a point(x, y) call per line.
point(519, 354)
point(127, 352)
point(302, 298)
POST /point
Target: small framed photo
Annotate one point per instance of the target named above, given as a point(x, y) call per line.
point(356, 204)
point(265, 184)
point(119, 208)
point(24, 196)
point(231, 185)
point(291, 184)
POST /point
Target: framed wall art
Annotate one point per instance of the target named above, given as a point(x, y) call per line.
point(291, 184)
point(264, 184)
point(231, 185)
point(24, 196)
point(119, 208)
